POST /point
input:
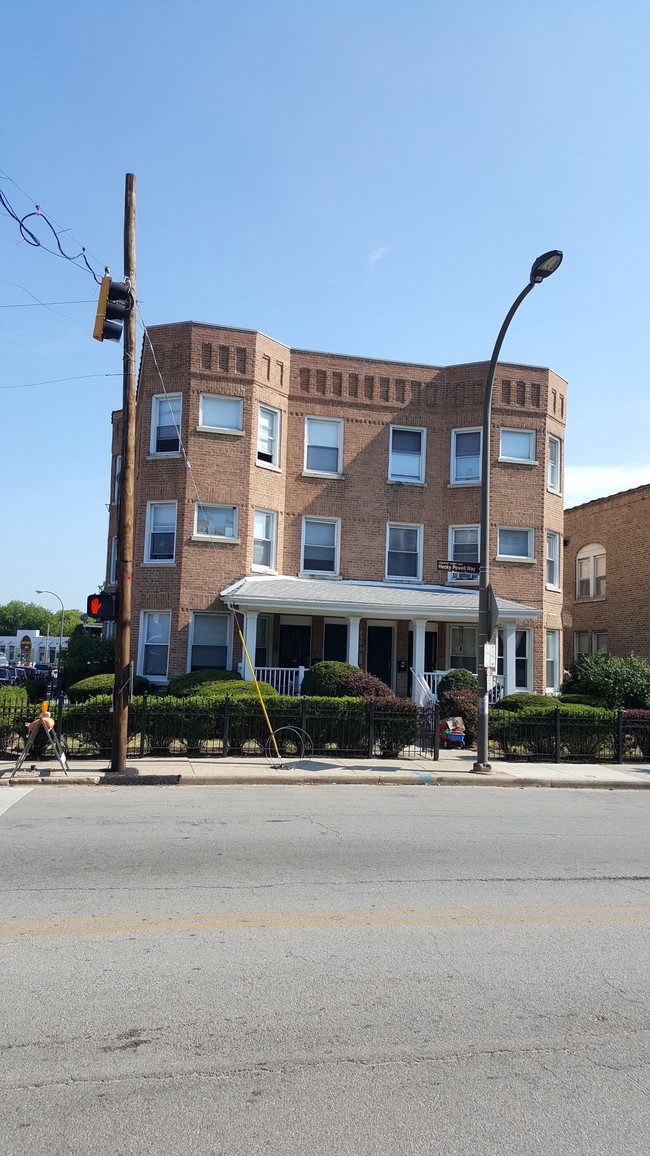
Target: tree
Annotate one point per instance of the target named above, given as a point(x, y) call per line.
point(17, 615)
point(87, 655)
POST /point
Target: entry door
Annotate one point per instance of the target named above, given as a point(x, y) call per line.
point(379, 653)
point(294, 645)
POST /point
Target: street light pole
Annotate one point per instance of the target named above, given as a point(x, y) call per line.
point(57, 596)
point(542, 268)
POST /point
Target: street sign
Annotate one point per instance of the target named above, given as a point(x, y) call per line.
point(460, 567)
point(493, 611)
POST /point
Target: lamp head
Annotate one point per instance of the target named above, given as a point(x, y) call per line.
point(545, 265)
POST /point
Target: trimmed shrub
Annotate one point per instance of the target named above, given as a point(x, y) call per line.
point(188, 684)
point(463, 702)
point(618, 682)
point(102, 684)
point(322, 679)
point(359, 684)
point(580, 700)
point(457, 679)
point(526, 701)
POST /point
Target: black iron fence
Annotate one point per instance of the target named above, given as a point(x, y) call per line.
point(559, 736)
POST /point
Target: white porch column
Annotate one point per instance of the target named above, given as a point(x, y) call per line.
point(419, 631)
point(353, 641)
point(509, 655)
point(250, 638)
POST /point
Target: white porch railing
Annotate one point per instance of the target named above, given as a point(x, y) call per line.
point(430, 680)
point(284, 679)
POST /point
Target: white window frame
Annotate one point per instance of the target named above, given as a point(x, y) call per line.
point(552, 467)
point(394, 474)
point(472, 579)
point(142, 643)
point(274, 462)
point(226, 399)
point(336, 522)
point(149, 531)
point(590, 554)
point(112, 565)
point(595, 648)
point(577, 652)
point(453, 479)
point(471, 652)
point(156, 401)
point(529, 557)
point(525, 635)
point(234, 537)
point(229, 637)
point(530, 458)
point(404, 526)
point(552, 637)
point(316, 420)
point(553, 535)
point(259, 566)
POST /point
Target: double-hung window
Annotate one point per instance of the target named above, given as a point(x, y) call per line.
point(463, 547)
point(516, 543)
point(268, 436)
point(517, 445)
point(224, 414)
point(591, 572)
point(264, 539)
point(552, 660)
point(160, 532)
point(112, 567)
point(462, 647)
point(404, 552)
point(166, 424)
point(406, 454)
point(465, 456)
point(211, 521)
point(553, 559)
point(209, 647)
point(323, 446)
point(154, 644)
point(522, 658)
point(320, 545)
point(554, 464)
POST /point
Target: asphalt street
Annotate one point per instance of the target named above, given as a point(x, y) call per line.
point(282, 969)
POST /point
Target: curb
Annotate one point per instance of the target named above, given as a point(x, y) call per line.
point(363, 778)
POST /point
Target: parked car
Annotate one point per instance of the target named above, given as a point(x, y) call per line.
point(20, 674)
point(43, 670)
point(7, 676)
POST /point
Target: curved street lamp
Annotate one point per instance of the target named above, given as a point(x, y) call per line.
point(58, 596)
point(542, 268)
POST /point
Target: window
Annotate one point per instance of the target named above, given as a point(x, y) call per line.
point(154, 642)
point(320, 545)
point(262, 642)
point(591, 572)
point(515, 542)
point(166, 424)
point(215, 521)
point(264, 539)
point(209, 647)
point(517, 445)
point(552, 660)
point(406, 454)
point(600, 641)
point(118, 478)
point(462, 647)
point(112, 568)
point(160, 532)
point(465, 456)
point(553, 559)
point(323, 445)
point(463, 547)
point(554, 464)
point(522, 670)
point(268, 436)
point(581, 643)
point(222, 413)
point(403, 552)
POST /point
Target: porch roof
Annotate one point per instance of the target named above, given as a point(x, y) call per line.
point(288, 595)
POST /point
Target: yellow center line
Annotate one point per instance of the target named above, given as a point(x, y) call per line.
point(242, 921)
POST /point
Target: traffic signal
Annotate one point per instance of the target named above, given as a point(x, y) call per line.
point(101, 607)
point(114, 302)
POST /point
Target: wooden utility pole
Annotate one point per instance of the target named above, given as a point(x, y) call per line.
point(126, 510)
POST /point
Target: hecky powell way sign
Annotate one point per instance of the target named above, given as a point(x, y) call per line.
point(460, 567)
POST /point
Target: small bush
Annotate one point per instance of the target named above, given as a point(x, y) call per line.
point(580, 700)
point(188, 684)
point(322, 679)
point(457, 679)
point(525, 700)
point(102, 684)
point(360, 684)
point(463, 702)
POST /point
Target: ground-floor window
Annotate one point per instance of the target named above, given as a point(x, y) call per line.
point(209, 649)
point(522, 658)
point(462, 647)
point(552, 660)
point(155, 643)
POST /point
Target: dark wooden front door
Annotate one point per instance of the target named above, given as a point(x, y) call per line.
point(379, 653)
point(295, 644)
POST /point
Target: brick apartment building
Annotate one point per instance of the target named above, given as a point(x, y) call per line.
point(308, 497)
point(606, 547)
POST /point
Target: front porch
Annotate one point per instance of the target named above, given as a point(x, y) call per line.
point(287, 680)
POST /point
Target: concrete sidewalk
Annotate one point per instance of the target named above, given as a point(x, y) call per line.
point(452, 769)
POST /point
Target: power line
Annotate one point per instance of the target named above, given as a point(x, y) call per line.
point(30, 237)
point(57, 380)
point(36, 304)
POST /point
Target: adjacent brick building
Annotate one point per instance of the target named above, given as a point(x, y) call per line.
point(606, 547)
point(308, 498)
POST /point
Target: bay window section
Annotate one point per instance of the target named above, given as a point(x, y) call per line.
point(154, 644)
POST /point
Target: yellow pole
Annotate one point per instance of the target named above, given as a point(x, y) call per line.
point(257, 688)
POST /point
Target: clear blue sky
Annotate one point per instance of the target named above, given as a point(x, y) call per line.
point(362, 176)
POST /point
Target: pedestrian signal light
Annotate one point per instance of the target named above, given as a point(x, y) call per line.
point(101, 607)
point(114, 302)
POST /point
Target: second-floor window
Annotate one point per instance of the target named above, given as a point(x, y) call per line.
point(264, 537)
point(211, 521)
point(160, 532)
point(516, 542)
point(553, 559)
point(323, 446)
point(404, 552)
point(406, 455)
point(268, 436)
point(221, 413)
point(554, 464)
point(591, 570)
point(463, 547)
point(465, 456)
point(320, 540)
point(517, 445)
point(166, 424)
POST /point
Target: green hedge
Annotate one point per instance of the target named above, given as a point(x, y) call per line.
point(102, 684)
point(186, 685)
point(529, 731)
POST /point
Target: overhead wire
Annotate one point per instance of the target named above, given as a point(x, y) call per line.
point(31, 238)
